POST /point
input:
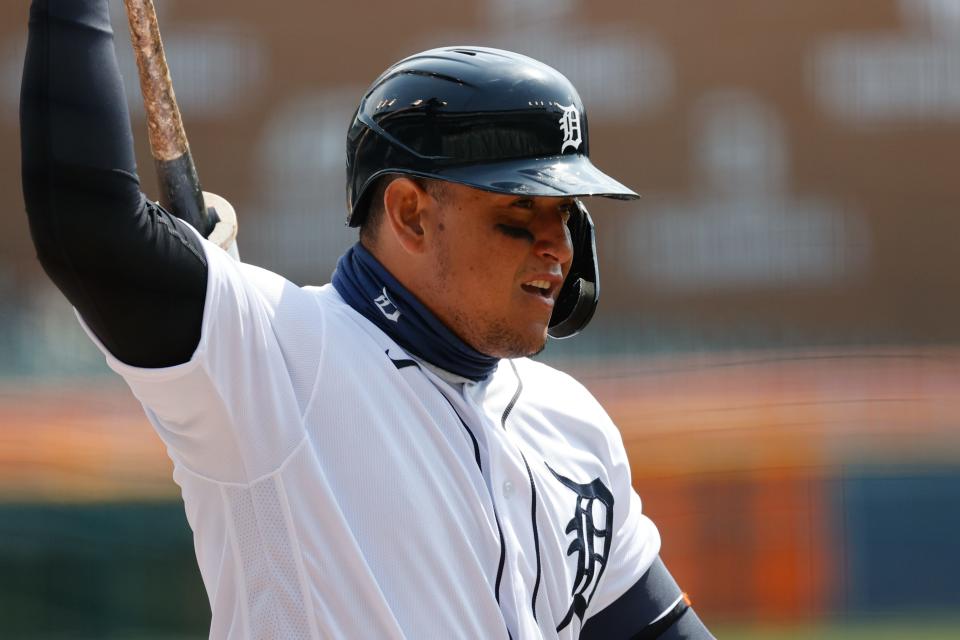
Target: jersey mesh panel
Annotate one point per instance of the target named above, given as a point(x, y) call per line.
point(275, 601)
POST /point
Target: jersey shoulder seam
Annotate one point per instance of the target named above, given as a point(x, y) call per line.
point(318, 295)
point(246, 485)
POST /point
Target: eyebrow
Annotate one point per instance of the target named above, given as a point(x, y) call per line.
point(564, 204)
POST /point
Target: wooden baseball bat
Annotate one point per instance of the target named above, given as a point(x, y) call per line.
point(180, 191)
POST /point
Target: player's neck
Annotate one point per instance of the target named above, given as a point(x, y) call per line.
point(370, 289)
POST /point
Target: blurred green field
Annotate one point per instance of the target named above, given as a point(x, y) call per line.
point(899, 629)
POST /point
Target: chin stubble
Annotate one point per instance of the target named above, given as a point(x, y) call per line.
point(496, 339)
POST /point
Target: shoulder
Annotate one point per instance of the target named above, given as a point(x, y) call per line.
point(249, 286)
point(552, 388)
point(270, 286)
point(566, 404)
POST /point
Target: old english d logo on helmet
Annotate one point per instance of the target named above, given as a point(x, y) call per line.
point(570, 126)
point(489, 119)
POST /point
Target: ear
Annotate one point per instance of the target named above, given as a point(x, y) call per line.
point(405, 207)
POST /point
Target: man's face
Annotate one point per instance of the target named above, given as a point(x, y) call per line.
point(499, 262)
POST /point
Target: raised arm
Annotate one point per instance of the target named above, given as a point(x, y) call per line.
point(136, 274)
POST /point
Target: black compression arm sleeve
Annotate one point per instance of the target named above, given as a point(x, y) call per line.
point(135, 273)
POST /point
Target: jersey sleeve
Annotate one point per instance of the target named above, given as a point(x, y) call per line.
point(636, 541)
point(231, 413)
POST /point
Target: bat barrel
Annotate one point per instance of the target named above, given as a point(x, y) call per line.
point(180, 189)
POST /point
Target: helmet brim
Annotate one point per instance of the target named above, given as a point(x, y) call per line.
point(563, 176)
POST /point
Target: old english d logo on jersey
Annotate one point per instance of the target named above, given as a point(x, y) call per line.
point(386, 306)
point(570, 126)
point(591, 540)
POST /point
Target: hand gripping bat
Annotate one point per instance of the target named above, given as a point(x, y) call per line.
point(181, 194)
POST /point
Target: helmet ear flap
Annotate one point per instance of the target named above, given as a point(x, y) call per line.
point(580, 292)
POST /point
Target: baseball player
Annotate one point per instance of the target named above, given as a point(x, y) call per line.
point(375, 457)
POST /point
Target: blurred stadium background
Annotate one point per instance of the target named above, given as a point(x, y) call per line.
point(777, 339)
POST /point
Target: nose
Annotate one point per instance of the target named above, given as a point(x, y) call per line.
point(553, 238)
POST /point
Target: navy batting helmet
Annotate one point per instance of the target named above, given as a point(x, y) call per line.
point(493, 120)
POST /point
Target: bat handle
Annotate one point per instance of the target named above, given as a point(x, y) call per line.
point(181, 193)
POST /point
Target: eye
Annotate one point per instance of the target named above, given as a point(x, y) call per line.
point(515, 232)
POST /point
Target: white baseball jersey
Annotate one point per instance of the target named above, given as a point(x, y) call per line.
point(339, 488)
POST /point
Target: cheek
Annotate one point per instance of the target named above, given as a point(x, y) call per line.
point(490, 282)
point(481, 256)
point(482, 267)
point(464, 267)
point(487, 286)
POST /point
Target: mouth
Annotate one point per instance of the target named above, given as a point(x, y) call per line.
point(544, 289)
